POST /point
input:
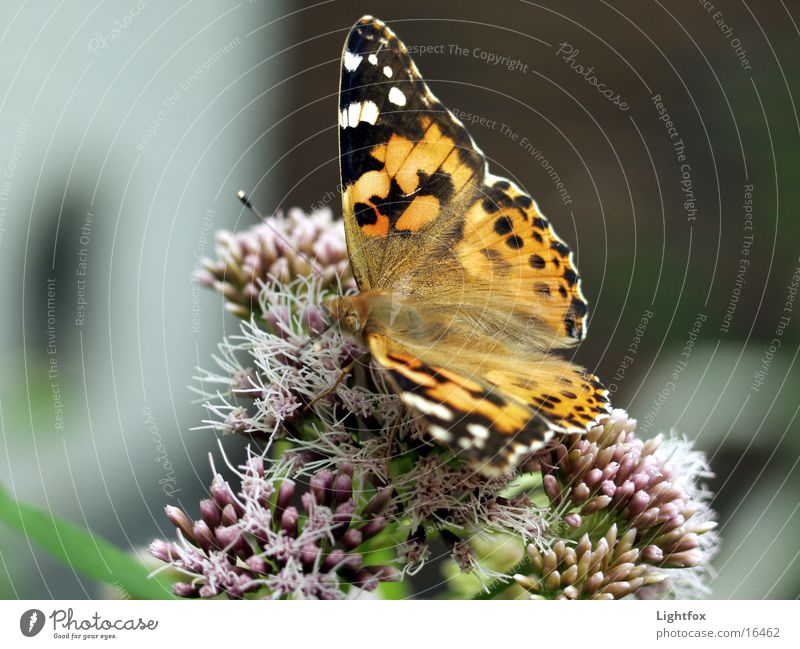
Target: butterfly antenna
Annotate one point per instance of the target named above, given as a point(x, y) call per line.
point(245, 200)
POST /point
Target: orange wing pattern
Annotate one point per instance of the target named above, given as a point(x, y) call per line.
point(493, 415)
point(508, 245)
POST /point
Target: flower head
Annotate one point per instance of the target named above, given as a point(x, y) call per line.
point(281, 248)
point(620, 496)
point(345, 464)
point(278, 537)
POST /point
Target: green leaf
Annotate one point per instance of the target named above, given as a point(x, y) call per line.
point(83, 550)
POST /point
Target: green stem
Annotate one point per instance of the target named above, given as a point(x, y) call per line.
point(500, 585)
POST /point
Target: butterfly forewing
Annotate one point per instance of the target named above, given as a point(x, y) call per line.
point(408, 166)
point(419, 201)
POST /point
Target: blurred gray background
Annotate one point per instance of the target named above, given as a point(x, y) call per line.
point(126, 128)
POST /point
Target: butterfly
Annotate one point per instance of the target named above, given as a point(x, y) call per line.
point(465, 290)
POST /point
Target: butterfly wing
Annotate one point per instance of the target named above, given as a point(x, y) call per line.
point(515, 262)
point(423, 215)
point(491, 412)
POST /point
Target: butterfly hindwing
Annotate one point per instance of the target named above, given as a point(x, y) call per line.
point(479, 422)
point(496, 412)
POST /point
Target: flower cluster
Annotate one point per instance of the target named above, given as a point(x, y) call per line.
point(610, 482)
point(610, 568)
point(347, 491)
point(281, 248)
point(258, 541)
point(441, 495)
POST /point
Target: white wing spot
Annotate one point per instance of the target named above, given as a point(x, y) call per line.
point(356, 112)
point(480, 432)
point(427, 407)
point(387, 71)
point(437, 432)
point(372, 59)
point(369, 112)
point(351, 61)
point(353, 113)
point(397, 97)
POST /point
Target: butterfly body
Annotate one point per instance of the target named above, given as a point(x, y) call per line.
point(465, 289)
point(374, 312)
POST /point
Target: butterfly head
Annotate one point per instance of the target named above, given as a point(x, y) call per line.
point(349, 314)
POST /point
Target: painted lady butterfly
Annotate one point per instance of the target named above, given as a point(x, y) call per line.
point(465, 289)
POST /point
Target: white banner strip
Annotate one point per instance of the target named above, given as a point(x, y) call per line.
point(385, 625)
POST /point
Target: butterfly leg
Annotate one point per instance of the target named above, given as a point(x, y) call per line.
point(343, 374)
point(314, 338)
point(389, 447)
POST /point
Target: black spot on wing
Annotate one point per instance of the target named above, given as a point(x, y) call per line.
point(365, 215)
point(497, 197)
point(539, 222)
point(578, 307)
point(570, 276)
point(396, 202)
point(570, 326)
point(524, 201)
point(536, 261)
point(514, 242)
point(438, 184)
point(503, 225)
